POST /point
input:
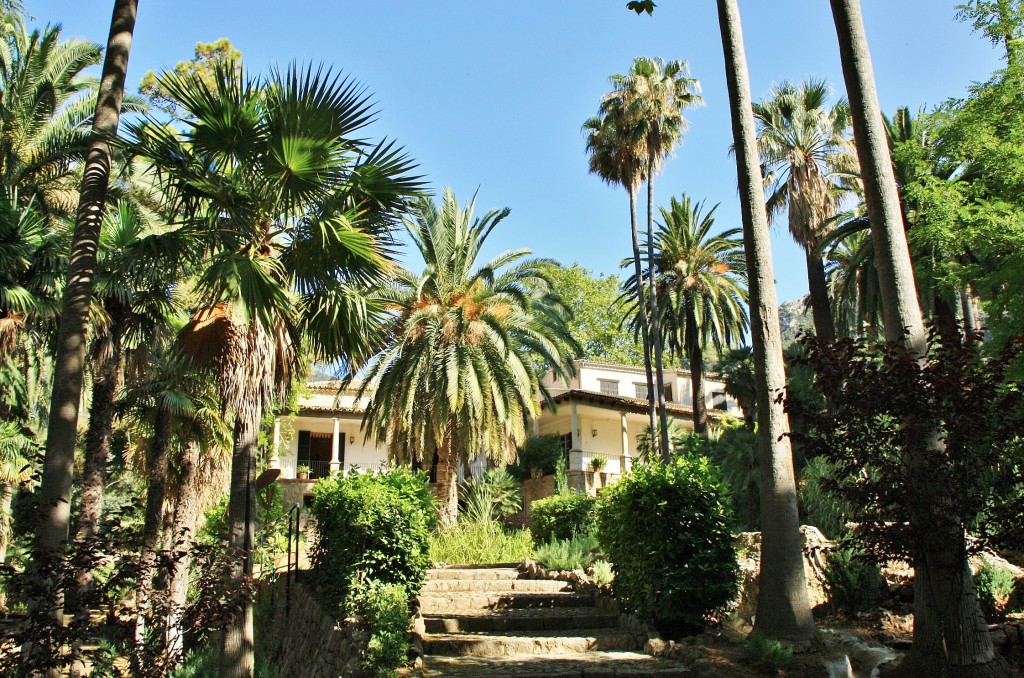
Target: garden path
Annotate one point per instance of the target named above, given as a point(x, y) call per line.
point(489, 620)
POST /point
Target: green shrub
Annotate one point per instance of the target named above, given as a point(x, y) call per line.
point(198, 663)
point(602, 573)
point(539, 452)
point(771, 655)
point(384, 610)
point(494, 496)
point(819, 506)
point(476, 543)
point(665, 528)
point(852, 582)
point(562, 516)
point(567, 554)
point(371, 526)
point(994, 585)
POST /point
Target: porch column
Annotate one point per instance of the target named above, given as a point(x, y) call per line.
point(275, 447)
point(535, 425)
point(625, 461)
point(576, 443)
point(336, 447)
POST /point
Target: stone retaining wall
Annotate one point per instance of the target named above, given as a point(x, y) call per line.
point(309, 643)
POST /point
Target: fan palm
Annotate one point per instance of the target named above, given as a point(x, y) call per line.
point(808, 159)
point(615, 156)
point(295, 216)
point(458, 378)
point(650, 101)
point(702, 280)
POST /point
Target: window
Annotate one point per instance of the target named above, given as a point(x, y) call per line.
point(609, 386)
point(668, 393)
point(719, 402)
point(566, 447)
point(641, 391)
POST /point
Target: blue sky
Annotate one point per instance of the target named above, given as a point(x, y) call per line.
point(491, 95)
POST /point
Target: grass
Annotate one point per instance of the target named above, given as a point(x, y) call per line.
point(470, 543)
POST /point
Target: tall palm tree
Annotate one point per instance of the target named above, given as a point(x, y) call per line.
point(702, 280)
point(783, 610)
point(457, 378)
point(54, 493)
point(807, 158)
point(294, 215)
point(615, 156)
point(950, 633)
point(650, 99)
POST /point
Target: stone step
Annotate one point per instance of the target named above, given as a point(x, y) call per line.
point(521, 620)
point(583, 665)
point(539, 642)
point(436, 603)
point(491, 586)
point(465, 573)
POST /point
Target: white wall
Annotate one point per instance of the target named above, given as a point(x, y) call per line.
point(365, 454)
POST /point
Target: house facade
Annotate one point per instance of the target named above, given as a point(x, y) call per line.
point(599, 414)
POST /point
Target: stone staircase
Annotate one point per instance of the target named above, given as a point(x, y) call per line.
point(488, 620)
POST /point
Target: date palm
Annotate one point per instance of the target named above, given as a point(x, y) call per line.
point(294, 216)
point(650, 100)
point(808, 158)
point(702, 283)
point(458, 378)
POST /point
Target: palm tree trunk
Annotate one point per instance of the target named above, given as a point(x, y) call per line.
point(641, 307)
point(183, 528)
point(107, 380)
point(447, 482)
point(6, 497)
point(946, 611)
point(821, 306)
point(54, 495)
point(237, 659)
point(656, 347)
point(783, 610)
point(156, 468)
point(696, 357)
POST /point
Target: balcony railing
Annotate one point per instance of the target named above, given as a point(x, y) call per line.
point(322, 469)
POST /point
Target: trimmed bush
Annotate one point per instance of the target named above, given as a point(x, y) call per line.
point(371, 526)
point(384, 610)
point(995, 588)
point(852, 581)
point(562, 516)
point(665, 529)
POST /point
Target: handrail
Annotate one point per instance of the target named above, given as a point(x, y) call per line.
point(296, 509)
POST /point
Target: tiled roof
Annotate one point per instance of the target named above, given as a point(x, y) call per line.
point(623, 403)
point(319, 410)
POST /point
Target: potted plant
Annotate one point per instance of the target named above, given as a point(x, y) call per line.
point(597, 463)
point(302, 472)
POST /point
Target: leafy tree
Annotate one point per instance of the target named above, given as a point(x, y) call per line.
point(458, 378)
point(702, 279)
point(597, 316)
point(209, 58)
point(807, 157)
point(294, 216)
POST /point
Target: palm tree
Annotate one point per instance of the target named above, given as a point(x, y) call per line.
point(650, 101)
point(54, 495)
point(458, 378)
point(737, 368)
point(702, 280)
point(950, 633)
point(46, 102)
point(615, 156)
point(294, 215)
point(783, 610)
point(807, 156)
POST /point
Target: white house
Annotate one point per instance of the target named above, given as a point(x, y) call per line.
point(600, 413)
